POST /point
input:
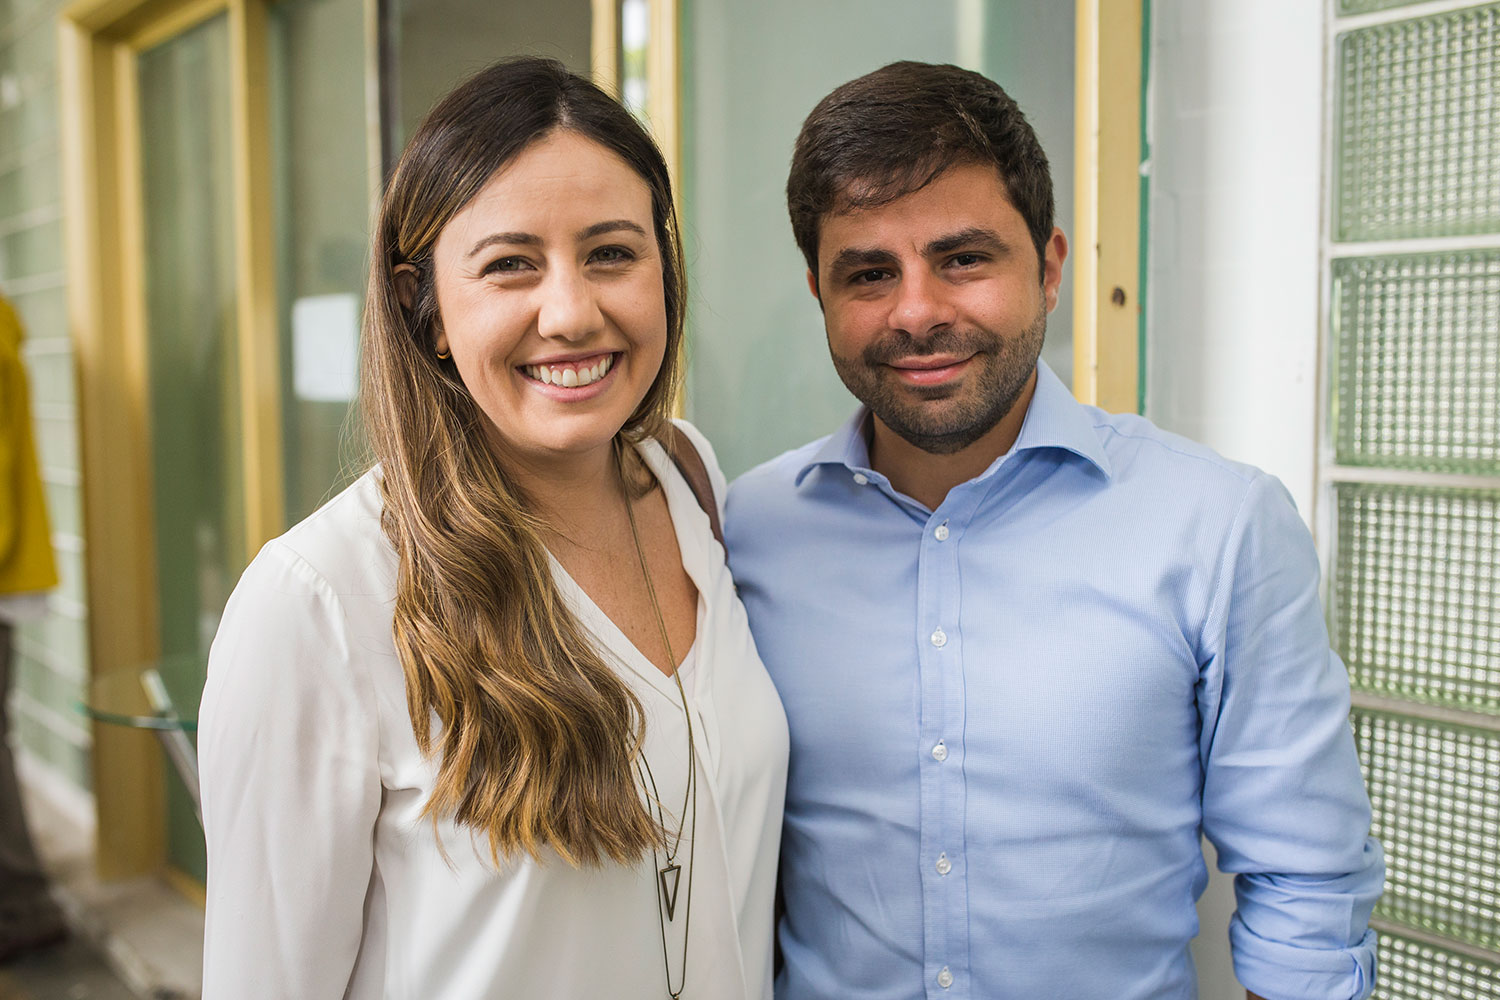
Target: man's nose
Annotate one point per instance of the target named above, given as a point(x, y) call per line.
point(922, 305)
point(569, 308)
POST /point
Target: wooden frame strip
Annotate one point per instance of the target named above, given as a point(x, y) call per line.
point(1107, 205)
point(255, 280)
point(99, 178)
point(604, 45)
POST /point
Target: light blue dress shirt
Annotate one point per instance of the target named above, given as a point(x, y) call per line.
point(1012, 718)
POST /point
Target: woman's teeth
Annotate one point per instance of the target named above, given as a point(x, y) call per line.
point(570, 376)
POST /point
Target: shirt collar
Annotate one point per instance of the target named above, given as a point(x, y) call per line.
point(1053, 420)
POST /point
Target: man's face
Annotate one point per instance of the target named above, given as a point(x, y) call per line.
point(934, 306)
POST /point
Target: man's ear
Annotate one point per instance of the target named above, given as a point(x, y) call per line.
point(812, 284)
point(405, 277)
point(1052, 263)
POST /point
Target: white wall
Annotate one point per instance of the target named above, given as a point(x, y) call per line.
point(1235, 120)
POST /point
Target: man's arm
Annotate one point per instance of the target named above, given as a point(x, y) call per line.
point(1283, 798)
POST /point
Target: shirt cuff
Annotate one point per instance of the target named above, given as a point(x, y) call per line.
point(1279, 971)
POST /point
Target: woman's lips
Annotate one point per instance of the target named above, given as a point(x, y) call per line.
point(572, 381)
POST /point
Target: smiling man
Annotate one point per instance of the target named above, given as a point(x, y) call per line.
point(1031, 652)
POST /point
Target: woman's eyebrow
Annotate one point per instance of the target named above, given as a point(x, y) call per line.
point(532, 240)
point(612, 226)
point(522, 239)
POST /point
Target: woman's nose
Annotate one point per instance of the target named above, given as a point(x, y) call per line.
point(569, 309)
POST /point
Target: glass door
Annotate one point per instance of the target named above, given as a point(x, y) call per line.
point(197, 469)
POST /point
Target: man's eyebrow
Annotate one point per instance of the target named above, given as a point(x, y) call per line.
point(853, 258)
point(612, 226)
point(973, 238)
point(521, 239)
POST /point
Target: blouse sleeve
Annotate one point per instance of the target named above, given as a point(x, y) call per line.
point(288, 746)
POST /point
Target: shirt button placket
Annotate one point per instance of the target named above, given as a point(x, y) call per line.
point(940, 752)
point(940, 638)
point(945, 978)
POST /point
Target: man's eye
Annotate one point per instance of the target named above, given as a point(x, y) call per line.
point(867, 277)
point(967, 259)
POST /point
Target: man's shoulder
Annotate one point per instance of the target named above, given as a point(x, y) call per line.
point(776, 478)
point(1142, 452)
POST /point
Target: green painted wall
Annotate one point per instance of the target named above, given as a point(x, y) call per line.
point(52, 654)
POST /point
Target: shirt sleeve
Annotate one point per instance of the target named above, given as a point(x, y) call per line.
point(288, 745)
point(1283, 799)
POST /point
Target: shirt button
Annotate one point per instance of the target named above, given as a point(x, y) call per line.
point(941, 533)
point(940, 638)
point(940, 752)
point(944, 866)
point(861, 479)
point(945, 978)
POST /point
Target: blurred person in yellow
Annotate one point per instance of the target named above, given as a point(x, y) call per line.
point(29, 918)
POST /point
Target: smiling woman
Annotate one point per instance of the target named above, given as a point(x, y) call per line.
point(550, 285)
point(492, 719)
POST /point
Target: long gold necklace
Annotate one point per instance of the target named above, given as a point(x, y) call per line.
point(669, 875)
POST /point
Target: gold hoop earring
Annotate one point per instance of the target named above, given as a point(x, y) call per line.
point(444, 357)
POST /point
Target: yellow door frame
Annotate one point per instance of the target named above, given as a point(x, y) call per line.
point(100, 42)
point(1106, 205)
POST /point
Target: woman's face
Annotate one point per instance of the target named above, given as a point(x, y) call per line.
point(549, 291)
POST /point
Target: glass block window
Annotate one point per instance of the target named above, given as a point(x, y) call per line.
point(1410, 970)
point(1365, 6)
point(1435, 792)
point(1416, 606)
point(1416, 361)
point(1417, 137)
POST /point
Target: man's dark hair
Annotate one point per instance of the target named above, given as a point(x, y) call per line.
point(894, 131)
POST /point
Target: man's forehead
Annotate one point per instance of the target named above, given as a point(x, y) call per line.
point(919, 215)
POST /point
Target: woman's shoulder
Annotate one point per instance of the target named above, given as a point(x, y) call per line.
point(341, 541)
point(693, 436)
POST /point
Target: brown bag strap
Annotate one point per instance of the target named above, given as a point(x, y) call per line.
point(685, 456)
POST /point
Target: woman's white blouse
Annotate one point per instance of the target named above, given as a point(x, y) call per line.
point(324, 879)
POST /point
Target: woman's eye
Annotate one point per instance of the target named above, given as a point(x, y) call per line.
point(610, 255)
point(504, 264)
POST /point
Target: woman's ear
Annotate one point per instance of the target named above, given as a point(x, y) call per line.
point(405, 277)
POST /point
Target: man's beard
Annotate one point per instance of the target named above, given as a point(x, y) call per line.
point(945, 419)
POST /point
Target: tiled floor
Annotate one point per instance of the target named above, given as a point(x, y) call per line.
point(151, 935)
point(68, 971)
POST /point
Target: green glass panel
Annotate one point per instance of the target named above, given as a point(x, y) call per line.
point(322, 190)
point(1416, 349)
point(194, 398)
point(1410, 970)
point(1417, 140)
point(1416, 593)
point(430, 45)
point(1435, 792)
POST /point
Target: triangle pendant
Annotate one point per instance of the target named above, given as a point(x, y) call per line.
point(670, 876)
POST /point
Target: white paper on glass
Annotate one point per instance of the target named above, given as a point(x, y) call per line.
point(325, 347)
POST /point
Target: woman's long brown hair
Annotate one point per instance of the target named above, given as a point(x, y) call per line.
point(535, 733)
